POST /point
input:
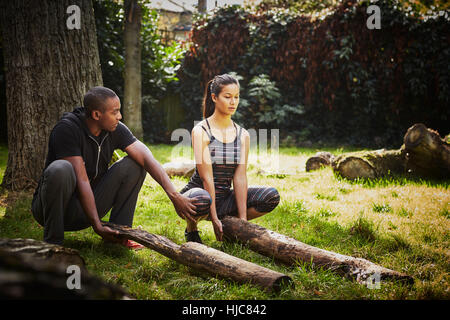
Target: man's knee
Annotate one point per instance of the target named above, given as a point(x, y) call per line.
point(60, 172)
point(131, 168)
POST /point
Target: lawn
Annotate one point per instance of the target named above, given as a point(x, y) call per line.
point(398, 223)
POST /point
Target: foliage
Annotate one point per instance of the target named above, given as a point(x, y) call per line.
point(297, 5)
point(355, 85)
point(160, 62)
point(422, 7)
point(260, 105)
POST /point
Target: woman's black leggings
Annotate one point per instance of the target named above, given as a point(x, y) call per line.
point(263, 199)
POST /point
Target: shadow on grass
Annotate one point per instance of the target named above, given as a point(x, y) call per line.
point(396, 180)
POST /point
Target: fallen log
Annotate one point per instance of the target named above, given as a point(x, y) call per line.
point(319, 160)
point(427, 154)
point(423, 154)
point(291, 251)
point(30, 275)
point(42, 250)
point(369, 164)
point(182, 169)
point(205, 259)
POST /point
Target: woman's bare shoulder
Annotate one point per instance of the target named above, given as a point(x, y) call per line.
point(244, 132)
point(199, 131)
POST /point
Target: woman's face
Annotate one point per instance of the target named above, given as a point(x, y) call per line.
point(227, 100)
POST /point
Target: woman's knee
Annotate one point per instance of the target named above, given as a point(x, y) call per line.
point(269, 201)
point(202, 201)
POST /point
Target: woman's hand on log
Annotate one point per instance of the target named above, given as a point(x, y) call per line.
point(217, 225)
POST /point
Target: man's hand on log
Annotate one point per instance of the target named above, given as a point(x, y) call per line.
point(108, 234)
point(184, 206)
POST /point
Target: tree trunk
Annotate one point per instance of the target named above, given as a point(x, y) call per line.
point(48, 68)
point(290, 251)
point(208, 260)
point(370, 164)
point(132, 72)
point(427, 154)
point(202, 6)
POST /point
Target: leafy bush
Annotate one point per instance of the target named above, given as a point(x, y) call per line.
point(160, 62)
point(326, 77)
point(260, 105)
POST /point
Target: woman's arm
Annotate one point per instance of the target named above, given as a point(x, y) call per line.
point(240, 177)
point(203, 162)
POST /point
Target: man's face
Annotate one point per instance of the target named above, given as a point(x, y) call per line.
point(109, 119)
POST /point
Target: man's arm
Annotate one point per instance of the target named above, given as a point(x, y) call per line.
point(143, 156)
point(87, 199)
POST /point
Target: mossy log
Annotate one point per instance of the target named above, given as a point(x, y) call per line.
point(423, 154)
point(207, 260)
point(291, 251)
point(427, 154)
point(369, 164)
point(319, 160)
point(38, 270)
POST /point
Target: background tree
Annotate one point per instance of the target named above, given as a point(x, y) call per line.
point(132, 72)
point(48, 68)
point(202, 6)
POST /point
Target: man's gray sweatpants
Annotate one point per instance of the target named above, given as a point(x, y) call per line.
point(57, 208)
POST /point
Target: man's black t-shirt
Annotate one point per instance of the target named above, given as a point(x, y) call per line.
point(71, 137)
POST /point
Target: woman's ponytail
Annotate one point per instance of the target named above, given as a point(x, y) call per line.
point(208, 103)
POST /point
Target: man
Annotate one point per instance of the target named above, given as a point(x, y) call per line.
point(77, 188)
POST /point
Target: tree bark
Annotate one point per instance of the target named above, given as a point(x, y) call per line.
point(48, 68)
point(207, 260)
point(290, 251)
point(427, 154)
point(132, 72)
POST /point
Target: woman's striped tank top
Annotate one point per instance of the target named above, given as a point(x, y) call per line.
point(225, 158)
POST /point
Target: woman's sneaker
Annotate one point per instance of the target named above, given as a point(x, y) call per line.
point(192, 236)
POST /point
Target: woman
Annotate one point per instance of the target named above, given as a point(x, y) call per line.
point(221, 153)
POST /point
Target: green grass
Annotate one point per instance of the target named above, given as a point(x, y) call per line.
point(400, 223)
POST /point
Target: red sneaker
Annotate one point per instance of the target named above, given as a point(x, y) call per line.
point(133, 245)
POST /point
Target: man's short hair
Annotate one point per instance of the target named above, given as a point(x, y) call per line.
point(95, 99)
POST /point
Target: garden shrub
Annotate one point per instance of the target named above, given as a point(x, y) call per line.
point(326, 77)
point(159, 63)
